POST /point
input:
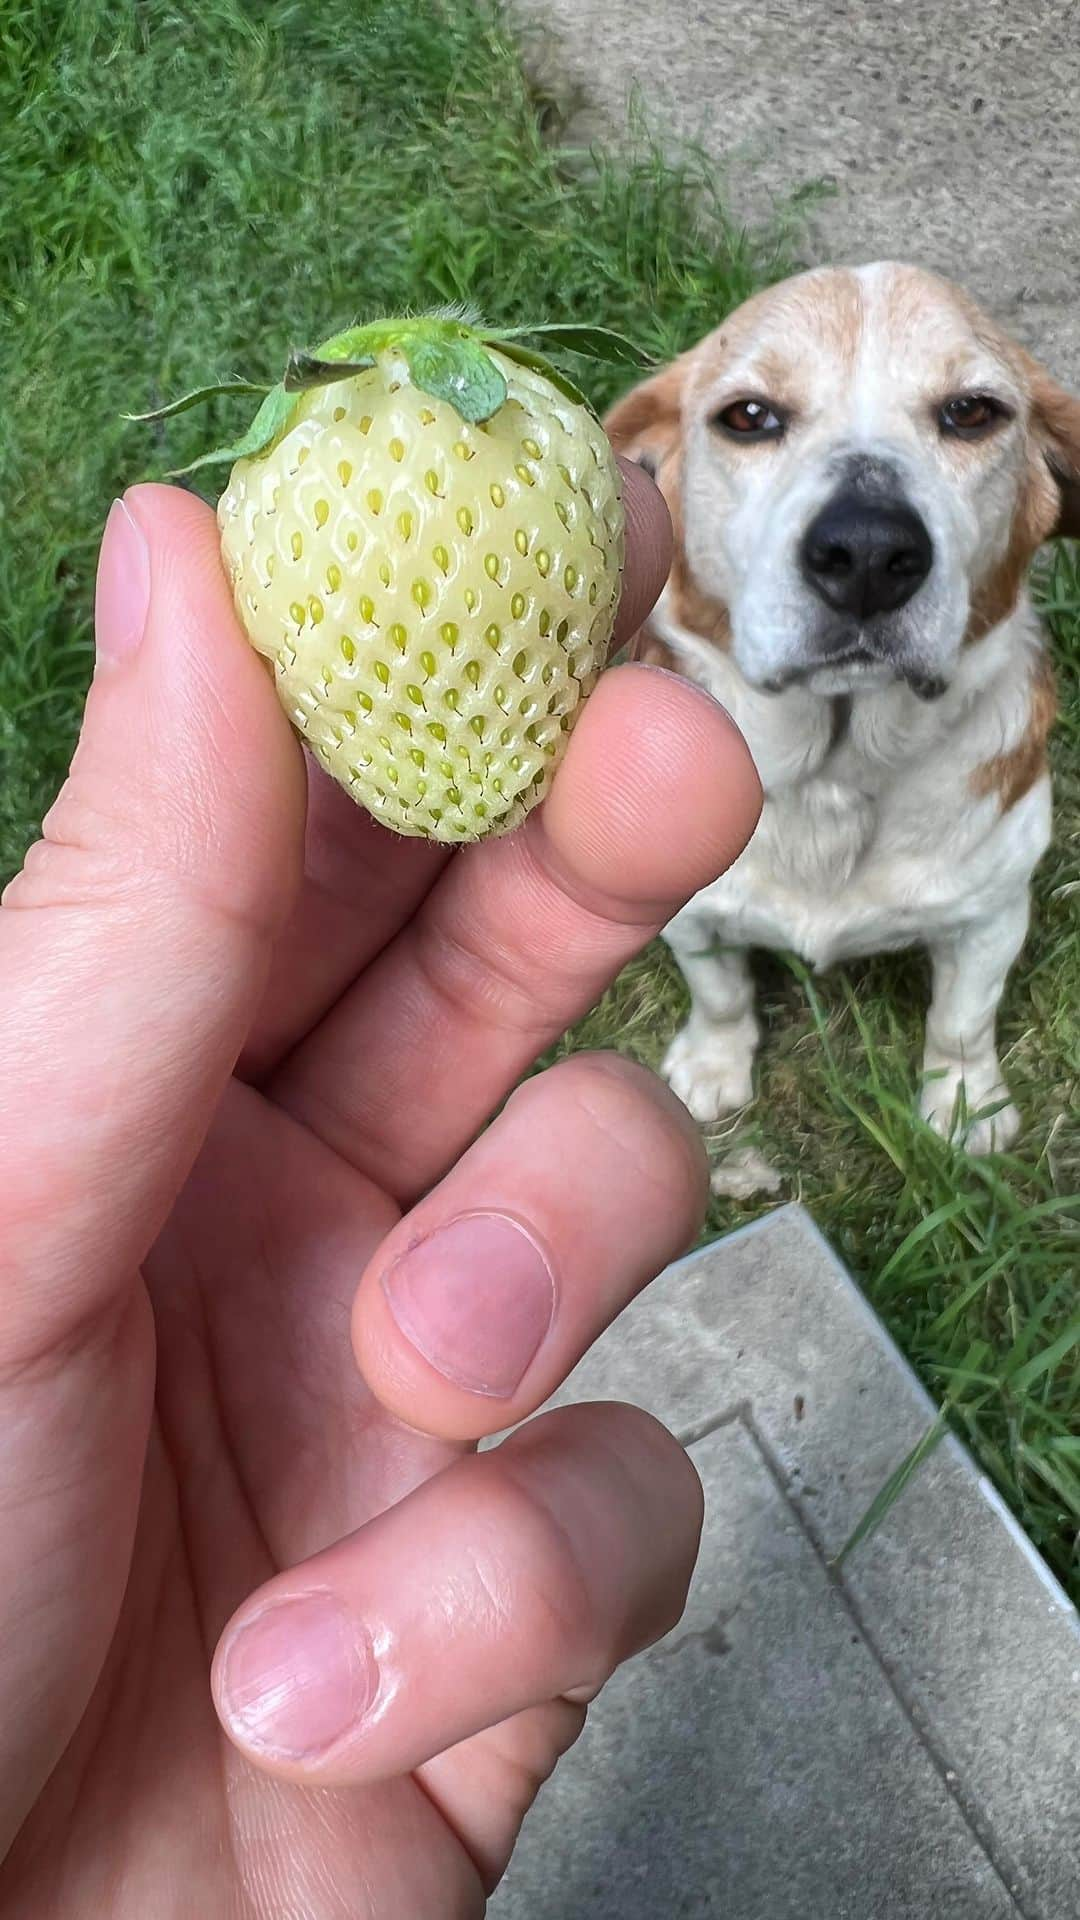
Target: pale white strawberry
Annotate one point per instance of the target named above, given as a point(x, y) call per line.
point(424, 534)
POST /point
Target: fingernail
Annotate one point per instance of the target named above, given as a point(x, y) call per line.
point(122, 599)
point(683, 680)
point(476, 1299)
point(297, 1677)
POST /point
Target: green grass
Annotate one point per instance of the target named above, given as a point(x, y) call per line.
point(187, 197)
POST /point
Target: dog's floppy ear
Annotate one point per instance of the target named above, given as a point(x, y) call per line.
point(1056, 424)
point(644, 424)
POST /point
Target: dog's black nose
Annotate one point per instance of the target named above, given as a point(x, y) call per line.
point(866, 556)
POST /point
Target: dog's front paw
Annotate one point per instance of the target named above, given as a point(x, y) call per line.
point(711, 1068)
point(973, 1110)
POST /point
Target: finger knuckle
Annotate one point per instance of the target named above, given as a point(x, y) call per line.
point(632, 1110)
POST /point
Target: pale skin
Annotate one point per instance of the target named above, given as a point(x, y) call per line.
point(249, 1045)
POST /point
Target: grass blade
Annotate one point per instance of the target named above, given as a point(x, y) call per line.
point(1048, 1360)
point(889, 1494)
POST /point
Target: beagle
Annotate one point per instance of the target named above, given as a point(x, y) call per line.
point(860, 467)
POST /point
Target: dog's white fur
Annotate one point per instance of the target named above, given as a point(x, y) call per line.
point(896, 813)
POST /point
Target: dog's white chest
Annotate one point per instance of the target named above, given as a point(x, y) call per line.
point(816, 835)
point(813, 880)
point(834, 872)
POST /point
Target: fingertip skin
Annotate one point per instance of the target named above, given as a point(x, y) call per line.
point(658, 789)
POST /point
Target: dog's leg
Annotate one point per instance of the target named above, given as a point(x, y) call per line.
point(710, 1063)
point(961, 1067)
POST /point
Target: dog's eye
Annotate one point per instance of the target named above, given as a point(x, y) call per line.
point(969, 414)
point(749, 420)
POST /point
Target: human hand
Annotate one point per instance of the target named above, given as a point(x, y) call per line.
point(193, 1453)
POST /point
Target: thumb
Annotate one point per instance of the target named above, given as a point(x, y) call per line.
point(135, 943)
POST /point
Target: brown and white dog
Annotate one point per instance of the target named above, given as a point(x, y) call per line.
point(860, 466)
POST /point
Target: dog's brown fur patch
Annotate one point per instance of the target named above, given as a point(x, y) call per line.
point(692, 608)
point(995, 598)
point(824, 305)
point(1056, 422)
point(1049, 503)
point(645, 425)
point(1012, 774)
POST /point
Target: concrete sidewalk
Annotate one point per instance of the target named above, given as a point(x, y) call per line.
point(951, 132)
point(898, 1739)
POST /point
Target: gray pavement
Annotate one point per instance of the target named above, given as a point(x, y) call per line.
point(950, 130)
point(895, 1739)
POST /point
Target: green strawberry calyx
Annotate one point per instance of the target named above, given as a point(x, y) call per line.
point(447, 356)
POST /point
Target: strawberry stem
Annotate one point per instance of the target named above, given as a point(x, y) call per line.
point(446, 357)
